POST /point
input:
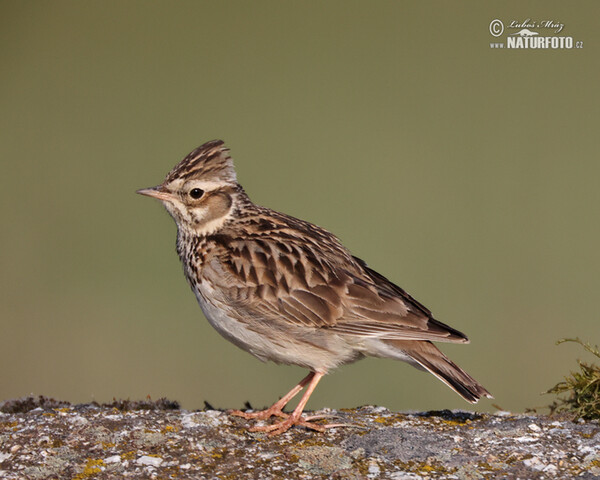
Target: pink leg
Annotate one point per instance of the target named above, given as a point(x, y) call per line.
point(296, 417)
point(277, 408)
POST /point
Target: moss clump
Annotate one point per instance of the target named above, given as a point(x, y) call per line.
point(135, 405)
point(582, 388)
point(26, 404)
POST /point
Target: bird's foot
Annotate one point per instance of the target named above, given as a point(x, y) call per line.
point(284, 425)
point(260, 414)
point(289, 421)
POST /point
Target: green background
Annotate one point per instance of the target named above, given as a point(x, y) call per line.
point(468, 175)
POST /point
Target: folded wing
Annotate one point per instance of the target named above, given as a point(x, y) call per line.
point(319, 285)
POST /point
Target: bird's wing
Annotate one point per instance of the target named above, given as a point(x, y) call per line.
point(269, 280)
point(377, 307)
point(316, 283)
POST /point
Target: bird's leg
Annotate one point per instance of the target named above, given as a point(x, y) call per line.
point(277, 408)
point(296, 416)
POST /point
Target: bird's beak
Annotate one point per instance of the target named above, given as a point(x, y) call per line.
point(159, 192)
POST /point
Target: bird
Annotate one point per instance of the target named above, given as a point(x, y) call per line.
point(286, 290)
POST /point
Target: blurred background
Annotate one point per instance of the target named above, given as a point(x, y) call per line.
point(466, 174)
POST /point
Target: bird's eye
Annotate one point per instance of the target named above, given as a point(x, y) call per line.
point(196, 193)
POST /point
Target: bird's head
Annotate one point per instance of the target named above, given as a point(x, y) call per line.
point(201, 191)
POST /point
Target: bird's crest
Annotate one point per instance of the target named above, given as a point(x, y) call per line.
point(210, 161)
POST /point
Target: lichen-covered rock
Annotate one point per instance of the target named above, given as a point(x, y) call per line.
point(45, 439)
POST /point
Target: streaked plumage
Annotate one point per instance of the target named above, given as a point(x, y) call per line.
point(288, 291)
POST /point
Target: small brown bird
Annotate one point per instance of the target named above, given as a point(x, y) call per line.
point(288, 291)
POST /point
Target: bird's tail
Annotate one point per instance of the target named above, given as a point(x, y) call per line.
point(428, 356)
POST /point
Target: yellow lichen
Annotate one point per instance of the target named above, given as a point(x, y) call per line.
point(10, 425)
point(128, 455)
point(92, 467)
point(426, 468)
point(389, 420)
point(455, 423)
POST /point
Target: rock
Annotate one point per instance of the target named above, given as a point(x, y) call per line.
point(47, 439)
point(113, 459)
point(147, 460)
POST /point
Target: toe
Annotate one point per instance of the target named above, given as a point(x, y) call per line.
point(284, 425)
point(259, 415)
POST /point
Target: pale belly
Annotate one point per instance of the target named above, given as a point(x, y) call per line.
point(310, 348)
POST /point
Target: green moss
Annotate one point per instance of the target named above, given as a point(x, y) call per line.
point(582, 388)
